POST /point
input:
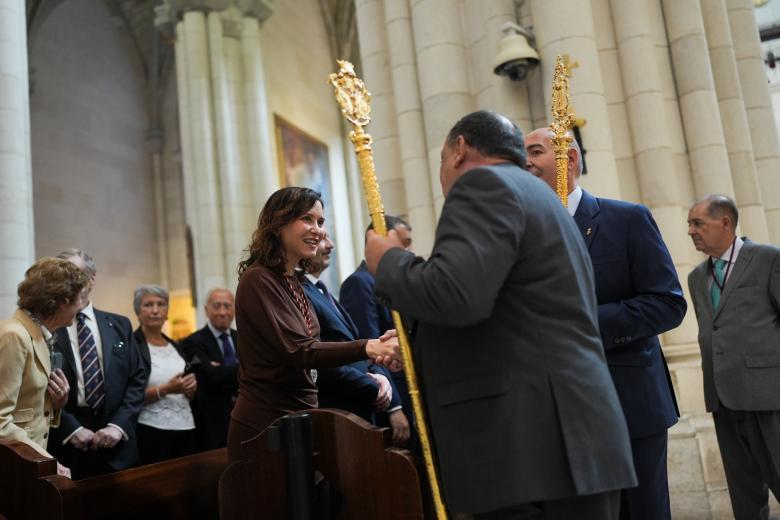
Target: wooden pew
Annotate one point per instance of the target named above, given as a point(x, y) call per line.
point(374, 481)
point(181, 488)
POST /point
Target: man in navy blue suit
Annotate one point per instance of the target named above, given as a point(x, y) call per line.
point(97, 427)
point(639, 297)
point(372, 317)
point(366, 391)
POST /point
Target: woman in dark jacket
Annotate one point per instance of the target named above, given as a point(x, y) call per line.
point(166, 427)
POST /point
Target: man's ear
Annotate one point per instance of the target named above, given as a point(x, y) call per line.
point(574, 158)
point(461, 150)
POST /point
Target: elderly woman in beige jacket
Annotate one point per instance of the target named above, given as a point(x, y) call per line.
point(31, 393)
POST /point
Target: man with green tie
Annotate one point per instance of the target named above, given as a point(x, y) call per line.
point(736, 294)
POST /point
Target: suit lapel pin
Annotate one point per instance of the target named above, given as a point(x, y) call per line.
point(588, 232)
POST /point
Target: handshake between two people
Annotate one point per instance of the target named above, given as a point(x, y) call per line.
point(386, 351)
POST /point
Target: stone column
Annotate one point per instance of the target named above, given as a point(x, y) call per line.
point(758, 106)
point(438, 42)
point(227, 132)
point(259, 137)
point(411, 128)
point(498, 93)
point(698, 101)
point(734, 120)
point(374, 55)
point(616, 102)
point(226, 162)
point(574, 34)
point(207, 228)
point(650, 131)
point(17, 240)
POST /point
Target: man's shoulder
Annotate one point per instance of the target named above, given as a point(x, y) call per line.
point(112, 317)
point(762, 249)
point(620, 206)
point(360, 276)
point(199, 336)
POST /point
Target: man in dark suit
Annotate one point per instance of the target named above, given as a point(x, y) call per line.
point(736, 295)
point(373, 318)
point(639, 297)
point(107, 382)
point(523, 412)
point(359, 388)
point(214, 346)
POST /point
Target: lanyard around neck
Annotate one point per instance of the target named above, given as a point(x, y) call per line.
point(728, 267)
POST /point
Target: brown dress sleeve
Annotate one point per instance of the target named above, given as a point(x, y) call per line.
point(278, 323)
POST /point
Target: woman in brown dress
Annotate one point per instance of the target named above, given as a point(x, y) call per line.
point(278, 345)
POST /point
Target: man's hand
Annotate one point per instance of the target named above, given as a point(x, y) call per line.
point(62, 470)
point(400, 425)
point(82, 439)
point(58, 388)
point(105, 438)
point(377, 246)
point(385, 352)
point(385, 393)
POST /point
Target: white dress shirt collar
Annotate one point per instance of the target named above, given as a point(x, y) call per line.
point(216, 332)
point(737, 245)
point(574, 200)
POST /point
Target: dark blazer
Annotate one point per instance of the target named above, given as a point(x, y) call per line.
point(124, 380)
point(347, 387)
point(357, 296)
point(217, 387)
point(521, 403)
point(739, 340)
point(639, 297)
point(372, 319)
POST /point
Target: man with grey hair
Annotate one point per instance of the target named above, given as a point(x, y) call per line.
point(736, 295)
point(107, 382)
point(639, 297)
point(215, 347)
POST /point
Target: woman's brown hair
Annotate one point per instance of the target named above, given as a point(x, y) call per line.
point(49, 283)
point(283, 207)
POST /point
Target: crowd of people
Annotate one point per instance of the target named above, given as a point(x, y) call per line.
point(535, 330)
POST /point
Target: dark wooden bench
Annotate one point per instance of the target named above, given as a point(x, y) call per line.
point(372, 480)
point(181, 488)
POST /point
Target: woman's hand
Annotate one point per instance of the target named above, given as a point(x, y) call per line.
point(58, 388)
point(385, 351)
point(179, 384)
point(190, 386)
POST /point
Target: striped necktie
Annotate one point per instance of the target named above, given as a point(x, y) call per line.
point(94, 392)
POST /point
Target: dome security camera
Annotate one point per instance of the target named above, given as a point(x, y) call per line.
point(515, 55)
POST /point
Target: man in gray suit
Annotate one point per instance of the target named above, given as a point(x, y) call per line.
point(524, 415)
point(736, 294)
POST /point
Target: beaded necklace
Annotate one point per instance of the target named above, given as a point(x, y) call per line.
point(300, 300)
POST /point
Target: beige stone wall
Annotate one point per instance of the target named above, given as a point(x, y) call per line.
point(91, 173)
point(296, 82)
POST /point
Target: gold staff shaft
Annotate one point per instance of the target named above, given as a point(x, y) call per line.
point(355, 105)
point(563, 120)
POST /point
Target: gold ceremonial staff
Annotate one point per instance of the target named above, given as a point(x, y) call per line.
point(355, 103)
point(563, 120)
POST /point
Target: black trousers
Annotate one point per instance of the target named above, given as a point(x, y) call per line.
point(750, 447)
point(601, 506)
point(156, 445)
point(650, 499)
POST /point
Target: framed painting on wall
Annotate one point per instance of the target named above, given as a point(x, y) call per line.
point(303, 161)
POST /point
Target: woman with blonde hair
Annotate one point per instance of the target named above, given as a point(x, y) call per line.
point(33, 388)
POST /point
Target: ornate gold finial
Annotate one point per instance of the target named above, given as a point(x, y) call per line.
point(563, 120)
point(351, 94)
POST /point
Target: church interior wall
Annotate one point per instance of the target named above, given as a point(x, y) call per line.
point(296, 74)
point(91, 174)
